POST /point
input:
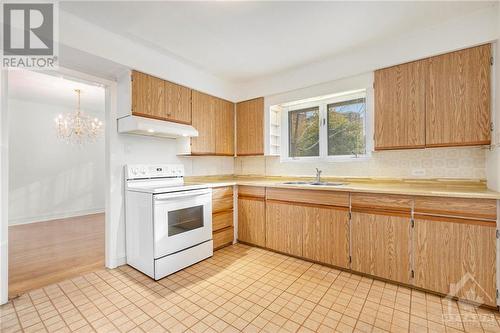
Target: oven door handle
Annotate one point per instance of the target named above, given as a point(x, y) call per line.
point(183, 194)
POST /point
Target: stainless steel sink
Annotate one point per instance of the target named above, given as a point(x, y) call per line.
point(328, 184)
point(315, 183)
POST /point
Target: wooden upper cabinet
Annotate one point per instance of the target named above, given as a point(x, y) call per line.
point(203, 107)
point(250, 127)
point(148, 96)
point(400, 106)
point(177, 103)
point(159, 99)
point(224, 123)
point(458, 98)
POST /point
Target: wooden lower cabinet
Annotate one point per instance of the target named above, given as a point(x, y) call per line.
point(223, 237)
point(284, 223)
point(222, 216)
point(326, 236)
point(380, 245)
point(252, 221)
point(456, 257)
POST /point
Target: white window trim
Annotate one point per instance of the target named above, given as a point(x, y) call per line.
point(323, 131)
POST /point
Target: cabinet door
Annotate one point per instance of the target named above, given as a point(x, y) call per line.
point(250, 127)
point(326, 236)
point(458, 98)
point(400, 106)
point(177, 103)
point(284, 226)
point(381, 245)
point(252, 221)
point(148, 96)
point(456, 256)
point(224, 120)
point(204, 121)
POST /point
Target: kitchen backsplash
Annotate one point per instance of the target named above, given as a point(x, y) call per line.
point(463, 162)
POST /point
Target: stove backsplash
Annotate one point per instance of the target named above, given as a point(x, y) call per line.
point(463, 162)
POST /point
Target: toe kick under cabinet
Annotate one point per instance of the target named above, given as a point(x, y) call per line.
point(444, 245)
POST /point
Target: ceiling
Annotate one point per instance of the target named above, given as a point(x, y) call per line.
point(55, 90)
point(241, 41)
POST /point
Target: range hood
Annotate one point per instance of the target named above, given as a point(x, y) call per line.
point(153, 127)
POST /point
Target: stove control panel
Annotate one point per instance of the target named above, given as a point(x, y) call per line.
point(141, 171)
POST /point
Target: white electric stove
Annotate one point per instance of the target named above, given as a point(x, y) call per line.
point(168, 224)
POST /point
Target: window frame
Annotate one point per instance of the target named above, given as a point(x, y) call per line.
point(322, 104)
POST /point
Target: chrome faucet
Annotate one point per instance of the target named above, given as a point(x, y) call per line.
point(318, 175)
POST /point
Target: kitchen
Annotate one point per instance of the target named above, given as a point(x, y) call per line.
point(359, 198)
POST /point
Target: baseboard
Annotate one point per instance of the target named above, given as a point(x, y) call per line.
point(56, 216)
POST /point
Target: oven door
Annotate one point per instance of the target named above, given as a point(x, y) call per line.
point(181, 220)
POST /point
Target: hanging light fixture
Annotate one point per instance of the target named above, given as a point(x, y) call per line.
point(77, 127)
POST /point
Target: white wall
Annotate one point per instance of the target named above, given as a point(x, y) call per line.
point(493, 156)
point(476, 28)
point(48, 178)
point(82, 35)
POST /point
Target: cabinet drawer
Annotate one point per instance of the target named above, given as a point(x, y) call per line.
point(381, 201)
point(222, 220)
point(222, 204)
point(318, 197)
point(475, 208)
point(223, 237)
point(221, 192)
point(252, 191)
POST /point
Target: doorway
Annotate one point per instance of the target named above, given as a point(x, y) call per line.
point(56, 188)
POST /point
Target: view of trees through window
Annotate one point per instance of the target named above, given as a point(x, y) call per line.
point(346, 132)
point(303, 129)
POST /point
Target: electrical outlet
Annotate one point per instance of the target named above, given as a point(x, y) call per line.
point(418, 172)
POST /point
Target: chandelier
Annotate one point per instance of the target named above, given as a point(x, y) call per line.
point(77, 127)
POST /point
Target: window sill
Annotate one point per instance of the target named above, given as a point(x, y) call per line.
point(326, 159)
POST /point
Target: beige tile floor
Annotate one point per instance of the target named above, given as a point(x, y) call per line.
point(240, 289)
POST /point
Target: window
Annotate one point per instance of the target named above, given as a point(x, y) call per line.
point(303, 132)
point(333, 126)
point(346, 127)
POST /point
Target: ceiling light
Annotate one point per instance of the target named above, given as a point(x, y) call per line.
point(77, 127)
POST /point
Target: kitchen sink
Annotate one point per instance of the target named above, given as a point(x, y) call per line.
point(315, 183)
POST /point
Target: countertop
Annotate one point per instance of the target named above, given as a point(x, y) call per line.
point(428, 187)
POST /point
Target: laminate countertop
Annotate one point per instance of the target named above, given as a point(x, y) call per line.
point(429, 187)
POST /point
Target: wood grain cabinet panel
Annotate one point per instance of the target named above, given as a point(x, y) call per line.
point(221, 192)
point(391, 202)
point(458, 98)
point(400, 106)
point(224, 124)
point(251, 191)
point(223, 237)
point(380, 245)
point(177, 103)
point(148, 96)
point(284, 227)
point(456, 257)
point(462, 207)
point(222, 220)
point(252, 221)
point(250, 127)
point(326, 236)
point(204, 121)
point(318, 197)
